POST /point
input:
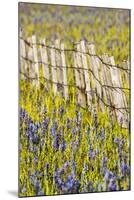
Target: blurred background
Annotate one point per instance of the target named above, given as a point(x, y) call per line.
point(107, 28)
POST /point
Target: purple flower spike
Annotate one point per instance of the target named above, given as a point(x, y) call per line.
point(112, 185)
point(63, 146)
point(117, 140)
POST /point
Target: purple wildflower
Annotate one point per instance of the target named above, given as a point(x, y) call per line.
point(53, 112)
point(74, 131)
point(35, 139)
point(121, 121)
point(68, 123)
point(69, 183)
point(124, 168)
point(41, 193)
point(85, 167)
point(37, 187)
point(104, 162)
point(53, 130)
point(106, 176)
point(63, 145)
point(46, 122)
point(112, 185)
point(36, 160)
point(37, 125)
point(56, 143)
point(116, 141)
point(73, 168)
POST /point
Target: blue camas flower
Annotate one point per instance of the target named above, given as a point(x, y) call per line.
point(63, 145)
point(37, 186)
point(117, 141)
point(46, 122)
point(112, 185)
point(56, 143)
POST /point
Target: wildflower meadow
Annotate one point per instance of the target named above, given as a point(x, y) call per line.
point(66, 148)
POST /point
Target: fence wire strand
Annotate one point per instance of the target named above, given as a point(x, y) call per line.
point(74, 50)
point(81, 89)
point(78, 69)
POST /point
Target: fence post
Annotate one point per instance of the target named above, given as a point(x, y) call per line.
point(29, 51)
point(119, 95)
point(86, 74)
point(80, 75)
point(107, 81)
point(63, 63)
point(77, 81)
point(95, 67)
point(45, 66)
point(58, 61)
point(79, 63)
point(35, 56)
point(60, 87)
point(23, 63)
point(54, 70)
point(125, 65)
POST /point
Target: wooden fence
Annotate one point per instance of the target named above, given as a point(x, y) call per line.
point(97, 79)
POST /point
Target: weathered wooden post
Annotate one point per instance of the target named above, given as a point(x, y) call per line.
point(23, 63)
point(64, 69)
point(54, 70)
point(95, 67)
point(119, 95)
point(35, 60)
point(86, 75)
point(45, 66)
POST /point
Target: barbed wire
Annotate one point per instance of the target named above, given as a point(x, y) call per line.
point(81, 89)
point(31, 44)
point(78, 69)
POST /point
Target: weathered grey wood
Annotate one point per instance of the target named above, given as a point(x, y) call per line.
point(107, 79)
point(79, 65)
point(86, 75)
point(54, 70)
point(95, 66)
point(103, 80)
point(125, 64)
point(80, 72)
point(121, 84)
point(29, 55)
point(35, 57)
point(45, 66)
point(107, 92)
point(77, 80)
point(23, 63)
point(119, 95)
point(92, 83)
point(63, 63)
point(58, 62)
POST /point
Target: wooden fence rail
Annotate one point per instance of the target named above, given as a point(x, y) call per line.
point(97, 79)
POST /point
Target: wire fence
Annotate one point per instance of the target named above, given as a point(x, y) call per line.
point(96, 79)
point(73, 50)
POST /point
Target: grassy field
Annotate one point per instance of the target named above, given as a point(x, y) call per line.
point(64, 148)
